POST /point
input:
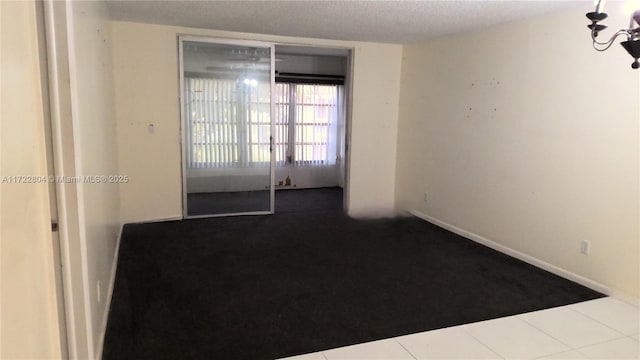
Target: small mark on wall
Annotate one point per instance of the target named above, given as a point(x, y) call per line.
point(493, 83)
point(483, 92)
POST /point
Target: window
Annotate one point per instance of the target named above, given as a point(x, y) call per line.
point(306, 124)
point(229, 123)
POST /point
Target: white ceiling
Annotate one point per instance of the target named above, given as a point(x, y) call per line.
point(377, 21)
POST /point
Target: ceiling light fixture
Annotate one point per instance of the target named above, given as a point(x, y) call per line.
point(251, 82)
point(632, 45)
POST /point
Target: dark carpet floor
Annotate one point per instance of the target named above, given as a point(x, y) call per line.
point(287, 200)
point(227, 202)
point(297, 200)
point(264, 287)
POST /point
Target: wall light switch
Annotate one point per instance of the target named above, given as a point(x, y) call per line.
point(151, 128)
point(585, 247)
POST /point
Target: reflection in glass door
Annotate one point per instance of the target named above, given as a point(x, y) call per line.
point(226, 127)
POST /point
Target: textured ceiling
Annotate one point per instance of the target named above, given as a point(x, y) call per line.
point(376, 21)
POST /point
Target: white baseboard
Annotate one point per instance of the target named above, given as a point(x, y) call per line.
point(155, 220)
point(520, 256)
point(112, 282)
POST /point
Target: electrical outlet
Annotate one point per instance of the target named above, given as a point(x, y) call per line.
point(585, 247)
point(425, 197)
point(99, 295)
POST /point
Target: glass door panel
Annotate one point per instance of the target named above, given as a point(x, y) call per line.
point(227, 127)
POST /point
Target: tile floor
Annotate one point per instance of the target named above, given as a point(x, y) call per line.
point(605, 328)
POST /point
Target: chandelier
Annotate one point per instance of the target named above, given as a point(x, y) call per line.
point(632, 44)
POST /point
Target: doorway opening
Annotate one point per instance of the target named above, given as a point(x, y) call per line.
point(259, 117)
point(310, 127)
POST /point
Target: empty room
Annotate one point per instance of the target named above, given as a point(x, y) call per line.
point(320, 179)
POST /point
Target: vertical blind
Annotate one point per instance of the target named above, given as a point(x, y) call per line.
point(228, 123)
point(282, 135)
point(316, 120)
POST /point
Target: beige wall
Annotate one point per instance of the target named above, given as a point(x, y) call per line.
point(28, 302)
point(96, 154)
point(146, 82)
point(526, 136)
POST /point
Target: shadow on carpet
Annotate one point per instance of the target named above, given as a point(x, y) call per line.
point(265, 287)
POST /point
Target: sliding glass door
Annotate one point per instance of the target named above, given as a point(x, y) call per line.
point(227, 126)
